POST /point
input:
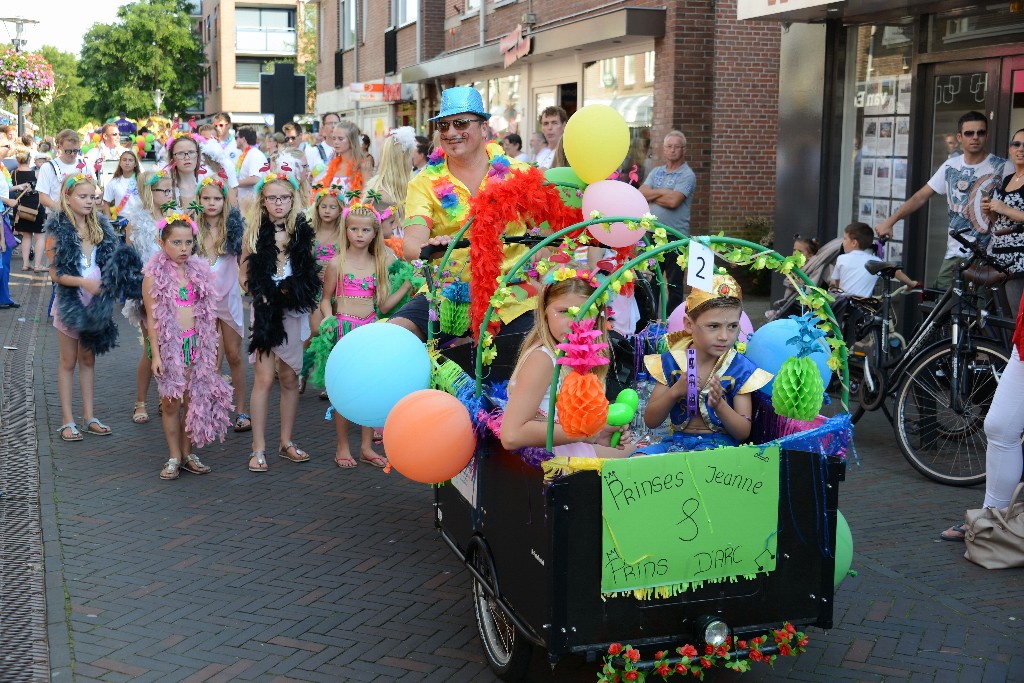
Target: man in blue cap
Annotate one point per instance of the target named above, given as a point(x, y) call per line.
point(437, 205)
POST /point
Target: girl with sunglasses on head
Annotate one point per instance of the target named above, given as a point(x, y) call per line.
point(279, 271)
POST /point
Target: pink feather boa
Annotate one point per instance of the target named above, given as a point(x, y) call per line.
point(210, 396)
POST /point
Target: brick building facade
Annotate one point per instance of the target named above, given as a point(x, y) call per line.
point(688, 65)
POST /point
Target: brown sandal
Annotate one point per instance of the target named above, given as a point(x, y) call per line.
point(300, 455)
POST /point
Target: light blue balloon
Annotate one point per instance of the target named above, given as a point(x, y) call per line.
point(768, 349)
point(372, 368)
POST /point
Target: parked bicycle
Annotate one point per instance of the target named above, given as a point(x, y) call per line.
point(941, 390)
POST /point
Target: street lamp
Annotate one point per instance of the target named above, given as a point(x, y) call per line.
point(158, 99)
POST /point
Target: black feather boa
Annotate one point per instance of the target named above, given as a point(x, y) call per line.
point(235, 228)
point(121, 277)
point(297, 292)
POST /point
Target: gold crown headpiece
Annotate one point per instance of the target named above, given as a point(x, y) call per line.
point(723, 287)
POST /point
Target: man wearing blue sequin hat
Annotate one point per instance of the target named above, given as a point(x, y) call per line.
point(437, 205)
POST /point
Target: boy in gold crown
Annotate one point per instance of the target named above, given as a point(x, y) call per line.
point(704, 384)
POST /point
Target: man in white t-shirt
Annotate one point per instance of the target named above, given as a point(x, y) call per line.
point(108, 149)
point(552, 124)
point(67, 162)
point(225, 135)
point(293, 140)
point(965, 179)
point(323, 148)
point(251, 165)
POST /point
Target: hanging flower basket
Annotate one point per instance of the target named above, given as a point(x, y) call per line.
point(26, 74)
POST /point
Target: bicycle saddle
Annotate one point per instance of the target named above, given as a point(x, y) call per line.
point(883, 268)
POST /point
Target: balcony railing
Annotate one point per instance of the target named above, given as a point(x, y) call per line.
point(265, 40)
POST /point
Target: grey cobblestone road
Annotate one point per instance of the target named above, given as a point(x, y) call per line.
point(310, 573)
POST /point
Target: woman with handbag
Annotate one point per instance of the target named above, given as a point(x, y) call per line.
point(28, 224)
point(7, 241)
point(1005, 210)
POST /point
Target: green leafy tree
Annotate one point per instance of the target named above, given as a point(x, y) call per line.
point(67, 108)
point(150, 46)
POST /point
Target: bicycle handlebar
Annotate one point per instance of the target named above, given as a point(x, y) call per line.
point(978, 252)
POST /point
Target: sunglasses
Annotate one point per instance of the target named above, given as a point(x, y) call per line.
point(71, 151)
point(1016, 143)
point(457, 124)
point(974, 133)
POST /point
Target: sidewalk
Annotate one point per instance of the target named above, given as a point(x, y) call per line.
point(311, 573)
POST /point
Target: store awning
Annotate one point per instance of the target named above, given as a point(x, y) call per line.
point(638, 110)
point(816, 11)
point(622, 26)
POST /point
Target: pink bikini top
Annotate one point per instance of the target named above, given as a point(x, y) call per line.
point(186, 296)
point(352, 287)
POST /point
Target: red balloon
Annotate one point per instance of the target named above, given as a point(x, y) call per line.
point(428, 436)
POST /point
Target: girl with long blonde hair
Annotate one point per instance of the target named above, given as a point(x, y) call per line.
point(348, 168)
point(357, 279)
point(279, 271)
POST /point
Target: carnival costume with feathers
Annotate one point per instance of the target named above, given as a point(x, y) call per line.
point(235, 229)
point(298, 292)
point(143, 240)
point(120, 268)
point(208, 414)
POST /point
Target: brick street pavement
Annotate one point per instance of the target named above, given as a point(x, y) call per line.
point(310, 573)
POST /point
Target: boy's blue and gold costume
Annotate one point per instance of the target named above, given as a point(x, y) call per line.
point(737, 373)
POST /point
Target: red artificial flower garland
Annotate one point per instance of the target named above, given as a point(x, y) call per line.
point(521, 196)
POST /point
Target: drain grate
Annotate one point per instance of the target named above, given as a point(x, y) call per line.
point(24, 655)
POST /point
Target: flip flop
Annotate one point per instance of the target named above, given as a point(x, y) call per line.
point(170, 470)
point(377, 461)
point(349, 463)
point(300, 455)
point(75, 435)
point(243, 422)
point(955, 533)
point(261, 461)
point(192, 465)
point(102, 429)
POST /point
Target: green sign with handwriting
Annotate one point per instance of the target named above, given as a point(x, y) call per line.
point(679, 519)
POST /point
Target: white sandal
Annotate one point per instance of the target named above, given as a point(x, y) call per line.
point(170, 470)
point(75, 434)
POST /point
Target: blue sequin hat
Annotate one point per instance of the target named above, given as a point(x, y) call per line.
point(461, 99)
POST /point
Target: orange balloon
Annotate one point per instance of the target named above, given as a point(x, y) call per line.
point(428, 436)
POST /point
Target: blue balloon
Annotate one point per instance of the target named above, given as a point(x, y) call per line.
point(768, 349)
point(372, 368)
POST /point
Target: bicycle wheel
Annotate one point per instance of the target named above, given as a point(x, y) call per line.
point(942, 442)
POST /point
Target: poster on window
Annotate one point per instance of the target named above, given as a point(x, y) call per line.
point(866, 213)
point(888, 94)
point(899, 178)
point(882, 212)
point(884, 144)
point(897, 227)
point(883, 177)
point(867, 178)
point(903, 95)
point(901, 147)
point(894, 251)
point(869, 139)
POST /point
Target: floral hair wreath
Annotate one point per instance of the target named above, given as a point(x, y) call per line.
point(157, 177)
point(319, 192)
point(215, 182)
point(271, 177)
point(177, 218)
point(75, 179)
point(372, 196)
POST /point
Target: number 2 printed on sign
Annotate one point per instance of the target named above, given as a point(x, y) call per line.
point(700, 266)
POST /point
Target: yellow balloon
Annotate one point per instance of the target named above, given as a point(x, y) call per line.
point(596, 140)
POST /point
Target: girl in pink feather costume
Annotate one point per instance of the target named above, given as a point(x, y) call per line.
point(182, 340)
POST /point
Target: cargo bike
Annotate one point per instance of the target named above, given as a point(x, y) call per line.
point(538, 538)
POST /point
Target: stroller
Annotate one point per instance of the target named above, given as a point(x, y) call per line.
point(818, 268)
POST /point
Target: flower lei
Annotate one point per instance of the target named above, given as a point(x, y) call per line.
point(241, 160)
point(355, 177)
point(621, 662)
point(7, 175)
point(444, 189)
point(177, 218)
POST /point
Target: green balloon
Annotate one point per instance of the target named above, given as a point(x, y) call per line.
point(844, 549)
point(628, 397)
point(564, 175)
point(149, 137)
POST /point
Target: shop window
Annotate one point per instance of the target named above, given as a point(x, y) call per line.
point(980, 26)
point(602, 85)
point(876, 128)
point(504, 104)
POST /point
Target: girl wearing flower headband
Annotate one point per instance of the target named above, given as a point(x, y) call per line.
point(220, 242)
point(86, 266)
point(525, 420)
point(279, 271)
point(358, 279)
point(182, 339)
point(141, 233)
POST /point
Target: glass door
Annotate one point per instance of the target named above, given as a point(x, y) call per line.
point(955, 88)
